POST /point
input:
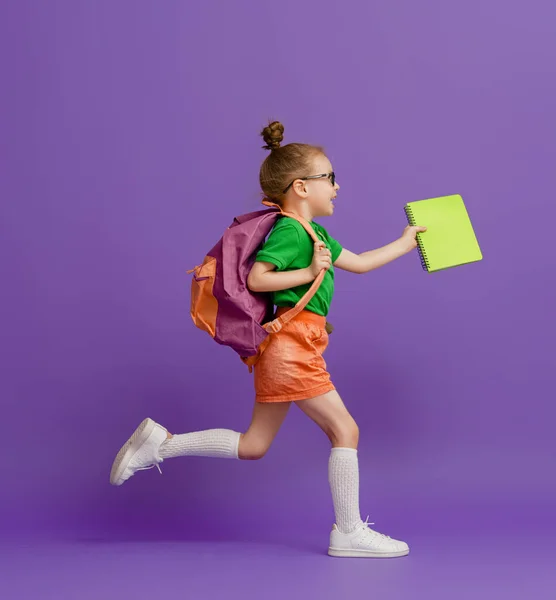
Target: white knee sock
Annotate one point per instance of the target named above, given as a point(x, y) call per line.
point(343, 476)
point(217, 443)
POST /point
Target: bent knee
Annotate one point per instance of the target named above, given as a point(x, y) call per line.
point(252, 450)
point(346, 434)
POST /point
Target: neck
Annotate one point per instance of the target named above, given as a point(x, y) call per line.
point(299, 209)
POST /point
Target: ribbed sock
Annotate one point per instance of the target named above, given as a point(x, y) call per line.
point(343, 476)
point(217, 443)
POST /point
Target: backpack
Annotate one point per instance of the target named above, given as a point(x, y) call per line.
point(221, 302)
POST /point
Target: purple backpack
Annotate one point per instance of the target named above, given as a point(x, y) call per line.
point(222, 304)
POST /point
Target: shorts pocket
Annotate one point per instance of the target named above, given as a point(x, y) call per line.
point(317, 335)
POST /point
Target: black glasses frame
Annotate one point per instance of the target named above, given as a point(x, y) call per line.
point(331, 176)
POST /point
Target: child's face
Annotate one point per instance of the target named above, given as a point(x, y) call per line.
point(321, 192)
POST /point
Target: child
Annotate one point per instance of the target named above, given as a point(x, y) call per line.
point(301, 180)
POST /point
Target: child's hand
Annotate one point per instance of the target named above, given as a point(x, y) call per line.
point(409, 236)
point(322, 259)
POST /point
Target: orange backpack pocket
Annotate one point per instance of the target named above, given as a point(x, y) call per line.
point(204, 305)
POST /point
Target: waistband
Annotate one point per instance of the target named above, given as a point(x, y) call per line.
point(306, 316)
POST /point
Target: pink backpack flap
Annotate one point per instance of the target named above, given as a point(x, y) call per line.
point(222, 304)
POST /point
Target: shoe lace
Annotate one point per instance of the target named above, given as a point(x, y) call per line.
point(150, 467)
point(366, 525)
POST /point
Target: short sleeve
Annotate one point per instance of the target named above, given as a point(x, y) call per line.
point(335, 246)
point(281, 247)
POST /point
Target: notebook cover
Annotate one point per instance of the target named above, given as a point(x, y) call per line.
point(449, 240)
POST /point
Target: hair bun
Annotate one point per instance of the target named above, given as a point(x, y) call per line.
point(273, 135)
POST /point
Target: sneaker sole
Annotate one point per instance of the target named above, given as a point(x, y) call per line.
point(128, 450)
point(352, 553)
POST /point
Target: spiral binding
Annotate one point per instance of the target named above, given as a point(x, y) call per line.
point(420, 248)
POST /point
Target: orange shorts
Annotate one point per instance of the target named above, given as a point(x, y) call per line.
point(292, 367)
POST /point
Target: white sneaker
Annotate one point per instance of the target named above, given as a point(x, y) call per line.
point(139, 452)
point(364, 542)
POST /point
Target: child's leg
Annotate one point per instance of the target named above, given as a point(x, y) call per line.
point(225, 443)
point(151, 443)
point(330, 414)
point(265, 424)
point(350, 536)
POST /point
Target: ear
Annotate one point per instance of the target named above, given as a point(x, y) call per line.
point(300, 188)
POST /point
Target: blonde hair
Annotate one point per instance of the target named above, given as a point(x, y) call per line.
point(284, 163)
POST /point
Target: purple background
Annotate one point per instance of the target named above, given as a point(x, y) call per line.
point(129, 134)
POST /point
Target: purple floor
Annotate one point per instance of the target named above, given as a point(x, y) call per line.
point(488, 566)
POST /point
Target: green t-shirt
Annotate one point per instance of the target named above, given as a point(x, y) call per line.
point(290, 247)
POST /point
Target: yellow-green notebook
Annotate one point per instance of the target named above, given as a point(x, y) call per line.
point(449, 240)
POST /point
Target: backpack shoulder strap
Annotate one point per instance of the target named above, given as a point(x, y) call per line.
point(305, 224)
point(277, 324)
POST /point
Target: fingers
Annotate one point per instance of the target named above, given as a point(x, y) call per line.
point(323, 256)
point(413, 229)
point(321, 249)
point(324, 263)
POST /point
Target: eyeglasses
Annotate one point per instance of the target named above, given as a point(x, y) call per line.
point(330, 176)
